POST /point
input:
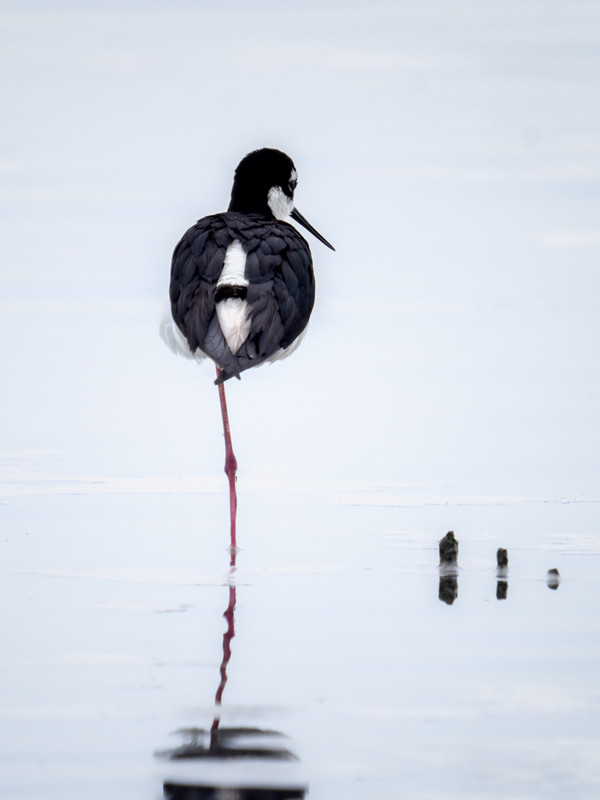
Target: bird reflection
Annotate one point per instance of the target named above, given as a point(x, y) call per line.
point(208, 748)
point(229, 743)
point(217, 793)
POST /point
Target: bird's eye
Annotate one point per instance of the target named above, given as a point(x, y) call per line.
point(292, 186)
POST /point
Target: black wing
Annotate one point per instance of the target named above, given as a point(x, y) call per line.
point(280, 290)
point(197, 264)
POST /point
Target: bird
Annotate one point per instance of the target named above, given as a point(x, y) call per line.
point(242, 284)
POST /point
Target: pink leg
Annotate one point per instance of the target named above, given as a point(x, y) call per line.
point(230, 465)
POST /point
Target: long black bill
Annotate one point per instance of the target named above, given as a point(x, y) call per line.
point(297, 216)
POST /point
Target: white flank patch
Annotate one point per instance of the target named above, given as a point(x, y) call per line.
point(279, 203)
point(233, 313)
point(174, 338)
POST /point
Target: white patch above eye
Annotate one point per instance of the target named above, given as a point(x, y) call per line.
point(279, 203)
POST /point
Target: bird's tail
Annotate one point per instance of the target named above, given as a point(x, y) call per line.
point(224, 375)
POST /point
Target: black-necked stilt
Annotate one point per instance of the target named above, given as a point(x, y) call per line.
point(242, 283)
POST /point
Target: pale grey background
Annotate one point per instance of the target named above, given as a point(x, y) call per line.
point(449, 379)
point(451, 152)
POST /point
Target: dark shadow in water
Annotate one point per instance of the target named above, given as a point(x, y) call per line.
point(221, 744)
point(173, 792)
point(501, 589)
point(448, 589)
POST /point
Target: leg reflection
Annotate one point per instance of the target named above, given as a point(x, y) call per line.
point(227, 637)
point(231, 763)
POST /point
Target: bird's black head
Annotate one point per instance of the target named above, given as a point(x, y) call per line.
point(264, 183)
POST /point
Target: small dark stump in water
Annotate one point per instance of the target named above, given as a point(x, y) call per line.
point(448, 549)
point(553, 579)
point(502, 572)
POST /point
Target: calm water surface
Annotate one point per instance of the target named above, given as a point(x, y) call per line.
point(328, 641)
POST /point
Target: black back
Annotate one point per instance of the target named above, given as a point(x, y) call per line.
point(280, 293)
